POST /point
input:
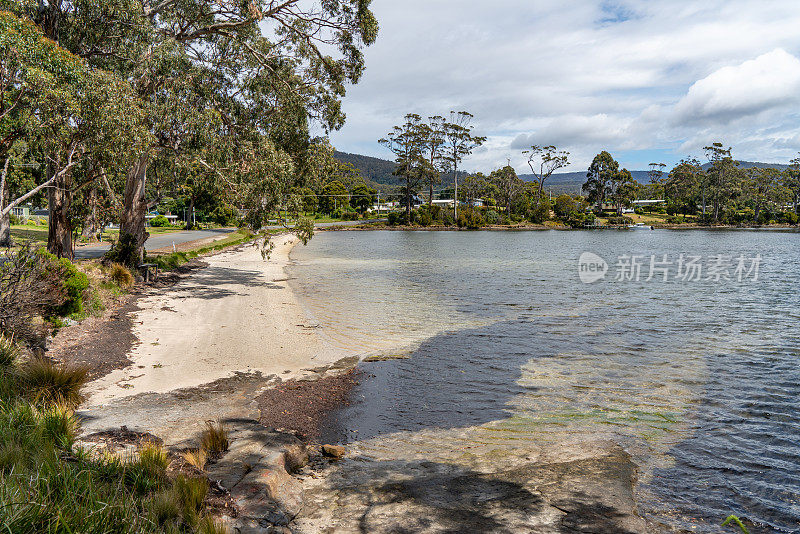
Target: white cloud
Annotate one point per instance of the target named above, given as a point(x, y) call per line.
point(625, 75)
point(771, 80)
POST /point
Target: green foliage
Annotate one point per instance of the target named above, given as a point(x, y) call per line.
point(124, 251)
point(159, 222)
point(395, 217)
point(470, 219)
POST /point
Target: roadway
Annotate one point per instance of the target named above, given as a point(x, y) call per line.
point(165, 240)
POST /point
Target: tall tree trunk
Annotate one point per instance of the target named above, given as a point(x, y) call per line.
point(190, 223)
point(430, 192)
point(59, 235)
point(134, 206)
point(5, 220)
point(90, 223)
point(757, 212)
point(455, 195)
point(408, 199)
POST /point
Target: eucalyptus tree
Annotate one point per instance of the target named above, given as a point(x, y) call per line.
point(407, 143)
point(459, 144)
point(682, 185)
point(508, 185)
point(599, 178)
point(543, 161)
point(64, 110)
point(433, 140)
point(721, 177)
point(763, 187)
point(791, 181)
point(656, 172)
point(263, 67)
point(474, 187)
point(623, 189)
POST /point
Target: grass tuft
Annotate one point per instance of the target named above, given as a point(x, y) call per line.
point(121, 275)
point(48, 383)
point(207, 525)
point(9, 351)
point(58, 424)
point(215, 438)
point(196, 458)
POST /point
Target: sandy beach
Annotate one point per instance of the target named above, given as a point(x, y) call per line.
point(238, 315)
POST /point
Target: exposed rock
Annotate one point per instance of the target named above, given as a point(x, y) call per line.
point(295, 458)
point(333, 451)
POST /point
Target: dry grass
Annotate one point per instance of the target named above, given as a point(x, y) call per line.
point(121, 275)
point(214, 439)
point(196, 458)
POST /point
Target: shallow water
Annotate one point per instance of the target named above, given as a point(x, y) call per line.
point(699, 380)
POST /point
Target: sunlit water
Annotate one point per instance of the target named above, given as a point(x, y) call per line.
point(699, 380)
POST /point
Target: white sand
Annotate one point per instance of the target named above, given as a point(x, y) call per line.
point(238, 314)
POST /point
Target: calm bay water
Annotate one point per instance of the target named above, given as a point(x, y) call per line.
point(699, 380)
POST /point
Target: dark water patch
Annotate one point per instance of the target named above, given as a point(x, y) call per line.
point(452, 380)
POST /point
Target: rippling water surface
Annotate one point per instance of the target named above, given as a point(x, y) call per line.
point(700, 381)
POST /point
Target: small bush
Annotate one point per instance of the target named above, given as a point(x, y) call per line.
point(147, 473)
point(395, 218)
point(159, 222)
point(214, 439)
point(47, 383)
point(121, 275)
point(620, 220)
point(470, 219)
point(164, 509)
point(74, 282)
point(14, 219)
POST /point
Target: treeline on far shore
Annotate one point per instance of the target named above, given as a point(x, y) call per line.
point(719, 192)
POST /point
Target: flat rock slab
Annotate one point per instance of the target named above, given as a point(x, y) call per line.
point(582, 488)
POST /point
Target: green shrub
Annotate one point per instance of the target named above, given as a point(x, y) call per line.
point(395, 218)
point(619, 220)
point(159, 222)
point(492, 217)
point(788, 217)
point(74, 282)
point(470, 219)
point(14, 219)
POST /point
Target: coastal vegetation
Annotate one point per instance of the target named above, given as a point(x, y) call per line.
point(718, 192)
point(112, 109)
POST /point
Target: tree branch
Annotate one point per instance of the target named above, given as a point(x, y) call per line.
point(29, 194)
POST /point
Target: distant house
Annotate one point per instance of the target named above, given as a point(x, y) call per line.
point(21, 211)
point(651, 202)
point(444, 203)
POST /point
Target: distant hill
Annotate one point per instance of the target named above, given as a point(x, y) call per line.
point(380, 171)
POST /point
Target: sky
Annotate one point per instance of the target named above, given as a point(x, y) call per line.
point(647, 80)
